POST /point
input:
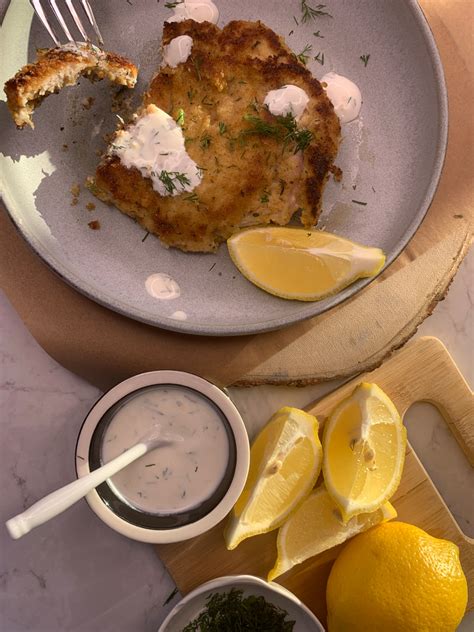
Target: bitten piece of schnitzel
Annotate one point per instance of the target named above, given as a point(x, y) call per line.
point(62, 66)
point(257, 168)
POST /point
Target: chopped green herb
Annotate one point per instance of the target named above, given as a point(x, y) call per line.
point(192, 198)
point(320, 58)
point(318, 34)
point(364, 59)
point(146, 235)
point(290, 33)
point(205, 141)
point(180, 117)
point(284, 130)
point(222, 128)
point(233, 612)
point(197, 67)
point(169, 179)
point(297, 23)
point(265, 197)
point(173, 5)
point(190, 94)
point(311, 13)
point(304, 55)
point(282, 186)
point(361, 203)
point(173, 593)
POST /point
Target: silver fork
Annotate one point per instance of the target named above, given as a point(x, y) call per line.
point(40, 12)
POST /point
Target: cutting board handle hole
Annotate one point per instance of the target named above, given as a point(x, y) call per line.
point(433, 442)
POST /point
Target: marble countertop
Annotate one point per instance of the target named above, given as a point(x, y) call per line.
point(75, 574)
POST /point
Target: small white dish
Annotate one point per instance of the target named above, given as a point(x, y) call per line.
point(141, 526)
point(190, 606)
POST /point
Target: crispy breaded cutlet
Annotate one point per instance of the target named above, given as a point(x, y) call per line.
point(62, 66)
point(252, 170)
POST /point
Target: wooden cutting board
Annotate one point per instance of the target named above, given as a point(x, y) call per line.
point(422, 371)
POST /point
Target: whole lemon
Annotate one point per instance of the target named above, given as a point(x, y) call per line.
point(396, 578)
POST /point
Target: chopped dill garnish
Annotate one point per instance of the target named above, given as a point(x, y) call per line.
point(284, 130)
point(359, 202)
point(190, 94)
point(290, 33)
point(192, 198)
point(233, 612)
point(364, 59)
point(180, 117)
point(197, 67)
point(265, 197)
point(173, 5)
point(282, 186)
point(173, 594)
point(305, 54)
point(205, 141)
point(169, 179)
point(146, 235)
point(311, 13)
point(297, 23)
point(222, 128)
point(320, 58)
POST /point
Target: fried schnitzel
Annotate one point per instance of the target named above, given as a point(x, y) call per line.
point(257, 168)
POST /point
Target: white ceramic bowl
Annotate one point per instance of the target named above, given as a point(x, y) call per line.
point(190, 606)
point(242, 456)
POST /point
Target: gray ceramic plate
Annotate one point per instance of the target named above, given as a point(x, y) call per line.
point(391, 158)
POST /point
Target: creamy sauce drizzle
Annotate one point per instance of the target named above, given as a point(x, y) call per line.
point(344, 95)
point(197, 10)
point(289, 99)
point(154, 144)
point(162, 286)
point(177, 51)
point(174, 477)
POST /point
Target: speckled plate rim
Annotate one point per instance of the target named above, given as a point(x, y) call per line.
point(11, 40)
point(228, 581)
point(242, 445)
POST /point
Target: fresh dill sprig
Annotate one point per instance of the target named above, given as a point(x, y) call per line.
point(364, 59)
point(169, 179)
point(173, 5)
point(264, 199)
point(180, 117)
point(192, 198)
point(305, 54)
point(320, 58)
point(197, 67)
point(222, 128)
point(284, 130)
point(205, 141)
point(311, 13)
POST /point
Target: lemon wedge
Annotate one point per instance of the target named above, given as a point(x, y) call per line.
point(306, 265)
point(364, 445)
point(316, 526)
point(285, 462)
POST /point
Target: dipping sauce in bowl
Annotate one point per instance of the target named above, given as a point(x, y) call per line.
point(186, 485)
point(177, 476)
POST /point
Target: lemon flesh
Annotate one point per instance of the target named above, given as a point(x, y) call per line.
point(305, 265)
point(315, 526)
point(364, 446)
point(396, 577)
point(285, 462)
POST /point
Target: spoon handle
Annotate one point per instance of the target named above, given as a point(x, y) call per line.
point(61, 499)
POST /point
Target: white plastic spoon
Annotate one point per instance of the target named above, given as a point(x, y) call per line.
point(60, 500)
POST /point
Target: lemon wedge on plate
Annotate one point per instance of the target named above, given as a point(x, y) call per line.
point(306, 265)
point(364, 445)
point(316, 526)
point(285, 462)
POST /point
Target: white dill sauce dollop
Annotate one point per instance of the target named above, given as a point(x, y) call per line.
point(175, 477)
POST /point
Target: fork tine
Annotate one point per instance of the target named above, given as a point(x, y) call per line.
point(60, 19)
point(91, 18)
point(77, 20)
point(42, 16)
